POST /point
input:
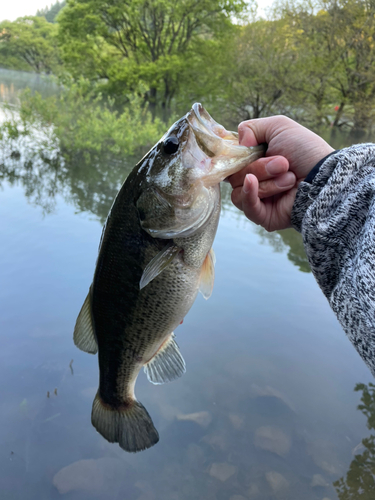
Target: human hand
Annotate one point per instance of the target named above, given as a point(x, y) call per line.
point(266, 189)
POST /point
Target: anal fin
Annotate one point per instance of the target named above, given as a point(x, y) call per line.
point(84, 337)
point(167, 364)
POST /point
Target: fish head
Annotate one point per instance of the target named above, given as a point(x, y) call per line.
point(184, 170)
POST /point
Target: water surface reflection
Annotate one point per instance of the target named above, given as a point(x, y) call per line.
point(92, 184)
point(359, 482)
point(266, 409)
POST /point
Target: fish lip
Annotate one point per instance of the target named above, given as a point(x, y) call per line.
point(225, 156)
point(198, 117)
point(197, 111)
point(207, 123)
point(208, 134)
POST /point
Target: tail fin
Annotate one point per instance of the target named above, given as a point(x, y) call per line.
point(132, 427)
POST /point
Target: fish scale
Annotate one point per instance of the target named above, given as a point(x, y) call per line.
point(138, 317)
point(154, 257)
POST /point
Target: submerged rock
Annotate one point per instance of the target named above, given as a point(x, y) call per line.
point(202, 418)
point(216, 440)
point(167, 411)
point(222, 471)
point(318, 480)
point(325, 457)
point(277, 481)
point(236, 420)
point(92, 476)
point(195, 455)
point(253, 491)
point(272, 439)
point(271, 391)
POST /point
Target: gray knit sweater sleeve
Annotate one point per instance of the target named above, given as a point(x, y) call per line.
point(336, 216)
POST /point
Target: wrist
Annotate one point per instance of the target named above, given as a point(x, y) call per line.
point(310, 176)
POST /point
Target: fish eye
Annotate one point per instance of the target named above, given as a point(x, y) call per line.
point(170, 145)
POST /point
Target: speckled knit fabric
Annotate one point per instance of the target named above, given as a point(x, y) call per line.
point(336, 216)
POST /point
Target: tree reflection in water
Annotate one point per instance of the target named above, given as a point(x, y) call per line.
point(288, 240)
point(91, 183)
point(88, 181)
point(359, 482)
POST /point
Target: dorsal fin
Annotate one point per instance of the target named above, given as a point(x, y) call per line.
point(84, 337)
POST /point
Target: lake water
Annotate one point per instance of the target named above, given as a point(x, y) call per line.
point(266, 409)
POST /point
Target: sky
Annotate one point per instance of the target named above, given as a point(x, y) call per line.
point(11, 9)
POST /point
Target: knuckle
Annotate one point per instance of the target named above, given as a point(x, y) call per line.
point(283, 119)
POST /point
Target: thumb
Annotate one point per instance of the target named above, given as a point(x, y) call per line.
point(257, 131)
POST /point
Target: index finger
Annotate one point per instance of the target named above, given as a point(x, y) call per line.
point(246, 135)
point(253, 132)
point(261, 168)
point(258, 130)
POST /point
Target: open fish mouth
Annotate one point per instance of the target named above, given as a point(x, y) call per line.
point(223, 156)
point(183, 189)
point(202, 123)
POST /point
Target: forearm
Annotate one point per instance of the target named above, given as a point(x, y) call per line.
point(336, 215)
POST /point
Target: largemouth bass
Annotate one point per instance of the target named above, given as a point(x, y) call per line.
point(155, 255)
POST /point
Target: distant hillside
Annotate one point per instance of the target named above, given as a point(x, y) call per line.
point(50, 13)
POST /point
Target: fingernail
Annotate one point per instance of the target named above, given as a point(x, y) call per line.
point(285, 180)
point(240, 133)
point(247, 184)
point(246, 136)
point(274, 167)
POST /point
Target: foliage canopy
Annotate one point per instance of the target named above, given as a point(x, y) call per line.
point(50, 13)
point(124, 42)
point(30, 40)
point(311, 60)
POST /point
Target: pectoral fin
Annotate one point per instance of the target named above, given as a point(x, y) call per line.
point(158, 264)
point(206, 284)
point(167, 364)
point(84, 337)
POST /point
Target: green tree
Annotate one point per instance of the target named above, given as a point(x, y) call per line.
point(310, 88)
point(353, 42)
point(280, 66)
point(359, 483)
point(31, 40)
point(260, 65)
point(336, 64)
point(124, 42)
point(50, 13)
point(74, 144)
